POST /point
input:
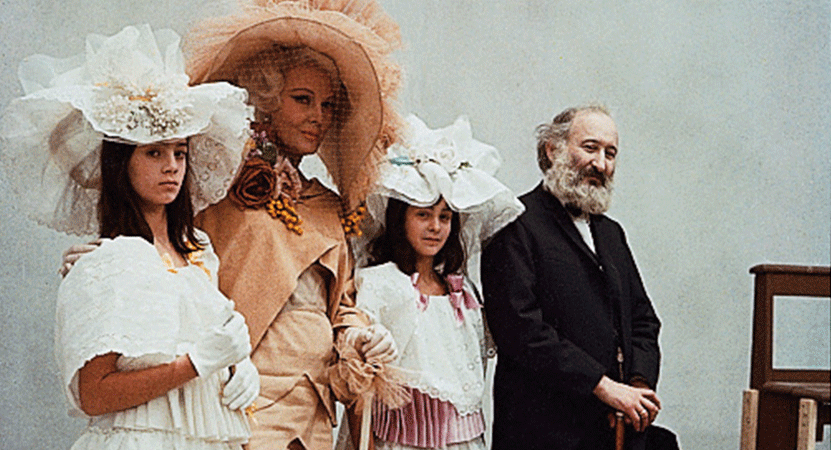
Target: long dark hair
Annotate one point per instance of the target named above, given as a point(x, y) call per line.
point(392, 244)
point(119, 208)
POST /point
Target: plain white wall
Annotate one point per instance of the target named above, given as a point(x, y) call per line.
point(723, 110)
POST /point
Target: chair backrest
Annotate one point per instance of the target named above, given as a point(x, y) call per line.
point(785, 280)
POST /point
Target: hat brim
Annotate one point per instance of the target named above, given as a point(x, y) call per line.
point(361, 129)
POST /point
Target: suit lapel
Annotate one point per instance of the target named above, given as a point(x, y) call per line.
point(602, 237)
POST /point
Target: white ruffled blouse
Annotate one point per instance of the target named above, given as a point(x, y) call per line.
point(123, 298)
point(439, 356)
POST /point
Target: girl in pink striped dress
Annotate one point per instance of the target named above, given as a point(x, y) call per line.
point(430, 209)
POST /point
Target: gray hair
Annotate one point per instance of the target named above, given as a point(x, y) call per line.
point(556, 133)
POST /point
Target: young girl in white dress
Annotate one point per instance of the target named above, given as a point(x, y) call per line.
point(149, 349)
point(432, 205)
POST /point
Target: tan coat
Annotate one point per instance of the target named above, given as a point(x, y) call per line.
point(260, 259)
point(260, 263)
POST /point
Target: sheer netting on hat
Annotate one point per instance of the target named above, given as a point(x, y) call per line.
point(349, 40)
point(262, 75)
point(129, 87)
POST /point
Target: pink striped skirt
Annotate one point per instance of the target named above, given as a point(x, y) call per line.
point(425, 422)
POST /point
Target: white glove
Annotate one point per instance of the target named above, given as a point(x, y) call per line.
point(375, 342)
point(355, 337)
point(244, 387)
point(221, 346)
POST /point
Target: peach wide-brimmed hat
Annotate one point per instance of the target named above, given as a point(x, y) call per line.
point(356, 35)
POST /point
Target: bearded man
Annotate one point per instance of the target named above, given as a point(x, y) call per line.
point(576, 334)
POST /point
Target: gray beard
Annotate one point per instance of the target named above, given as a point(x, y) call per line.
point(567, 183)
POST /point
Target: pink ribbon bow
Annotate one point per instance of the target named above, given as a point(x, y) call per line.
point(423, 300)
point(460, 298)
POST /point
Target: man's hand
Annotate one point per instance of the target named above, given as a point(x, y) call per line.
point(71, 255)
point(640, 406)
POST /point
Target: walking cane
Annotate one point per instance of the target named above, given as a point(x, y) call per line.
point(619, 435)
point(619, 428)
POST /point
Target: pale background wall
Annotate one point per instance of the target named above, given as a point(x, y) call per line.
point(723, 110)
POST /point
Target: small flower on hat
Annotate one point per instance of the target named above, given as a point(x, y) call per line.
point(439, 150)
point(127, 107)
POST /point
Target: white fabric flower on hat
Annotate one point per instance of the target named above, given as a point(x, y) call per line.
point(443, 163)
point(138, 88)
point(452, 147)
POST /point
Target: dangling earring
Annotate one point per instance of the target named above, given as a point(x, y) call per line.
point(262, 122)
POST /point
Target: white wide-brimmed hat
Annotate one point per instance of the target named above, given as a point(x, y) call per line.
point(132, 88)
point(428, 165)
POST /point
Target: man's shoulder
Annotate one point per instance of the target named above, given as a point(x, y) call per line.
point(605, 222)
point(537, 217)
point(542, 208)
point(534, 200)
point(533, 195)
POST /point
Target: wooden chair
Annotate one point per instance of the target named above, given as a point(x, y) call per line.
point(784, 408)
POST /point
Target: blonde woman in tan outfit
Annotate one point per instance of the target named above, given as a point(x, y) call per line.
point(320, 80)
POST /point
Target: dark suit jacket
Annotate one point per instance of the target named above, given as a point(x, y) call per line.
point(558, 312)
